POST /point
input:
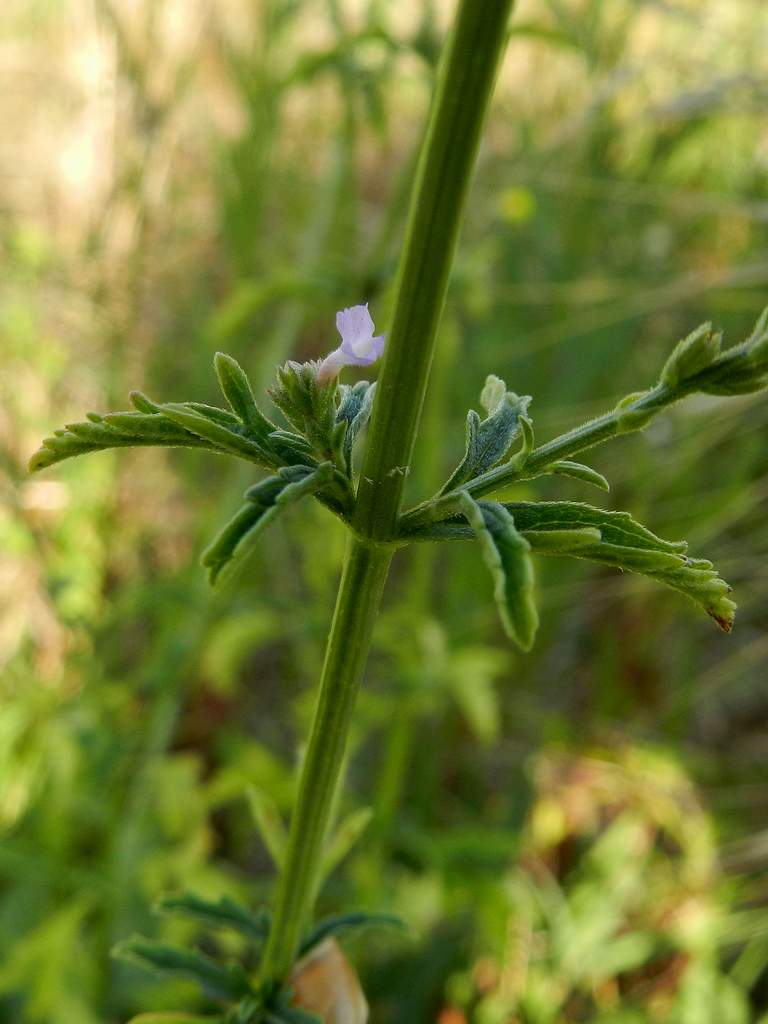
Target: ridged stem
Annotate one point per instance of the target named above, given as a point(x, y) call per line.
point(464, 87)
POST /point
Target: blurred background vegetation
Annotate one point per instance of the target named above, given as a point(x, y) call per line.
point(585, 835)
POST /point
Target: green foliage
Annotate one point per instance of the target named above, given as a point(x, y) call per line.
point(224, 913)
point(507, 554)
point(264, 501)
point(570, 282)
point(341, 923)
point(223, 982)
point(228, 982)
point(489, 440)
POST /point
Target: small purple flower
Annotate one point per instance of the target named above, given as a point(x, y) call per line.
point(358, 345)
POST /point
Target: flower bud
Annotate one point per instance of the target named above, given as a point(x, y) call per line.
point(692, 355)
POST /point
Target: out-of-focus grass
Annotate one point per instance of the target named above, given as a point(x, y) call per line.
point(178, 178)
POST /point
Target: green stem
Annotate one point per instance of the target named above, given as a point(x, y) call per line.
point(577, 440)
point(463, 92)
point(602, 428)
point(357, 604)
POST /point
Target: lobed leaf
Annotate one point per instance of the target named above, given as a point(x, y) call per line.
point(116, 430)
point(625, 544)
point(347, 922)
point(610, 538)
point(216, 980)
point(224, 913)
point(264, 501)
point(507, 555)
point(225, 436)
point(237, 391)
point(615, 527)
point(489, 440)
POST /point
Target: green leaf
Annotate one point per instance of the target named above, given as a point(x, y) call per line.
point(265, 500)
point(292, 448)
point(116, 430)
point(615, 527)
point(580, 472)
point(625, 544)
point(344, 838)
point(225, 437)
point(562, 542)
point(739, 370)
point(269, 823)
point(507, 555)
point(226, 419)
point(224, 913)
point(216, 980)
point(171, 1017)
point(347, 922)
point(493, 394)
point(235, 539)
point(691, 355)
point(308, 403)
point(237, 391)
point(611, 538)
point(354, 410)
point(488, 440)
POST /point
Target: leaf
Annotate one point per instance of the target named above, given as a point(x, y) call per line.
point(579, 472)
point(307, 402)
point(269, 823)
point(354, 410)
point(265, 500)
point(237, 391)
point(116, 430)
point(507, 555)
point(611, 538)
point(691, 355)
point(562, 542)
point(344, 838)
point(226, 437)
point(224, 913)
point(216, 980)
point(234, 539)
point(625, 544)
point(488, 440)
point(226, 419)
point(615, 527)
point(292, 448)
point(347, 922)
point(144, 403)
point(171, 1017)
point(493, 394)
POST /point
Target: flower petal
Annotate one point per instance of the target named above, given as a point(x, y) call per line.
point(358, 346)
point(332, 364)
point(355, 327)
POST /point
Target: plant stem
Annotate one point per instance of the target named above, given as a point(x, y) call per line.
point(365, 572)
point(463, 91)
point(600, 429)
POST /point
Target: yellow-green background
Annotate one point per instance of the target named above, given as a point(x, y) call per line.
point(579, 835)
